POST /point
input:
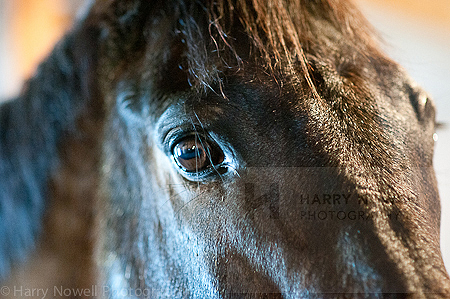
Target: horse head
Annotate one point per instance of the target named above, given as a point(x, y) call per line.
point(215, 149)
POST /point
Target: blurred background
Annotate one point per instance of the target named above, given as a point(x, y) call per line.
point(28, 31)
point(416, 34)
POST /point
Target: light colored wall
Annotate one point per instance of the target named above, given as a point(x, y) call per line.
point(429, 13)
point(10, 80)
point(28, 31)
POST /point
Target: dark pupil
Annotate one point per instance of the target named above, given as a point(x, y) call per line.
point(191, 155)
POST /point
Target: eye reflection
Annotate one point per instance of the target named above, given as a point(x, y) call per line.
point(193, 155)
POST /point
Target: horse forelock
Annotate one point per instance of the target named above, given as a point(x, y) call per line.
point(220, 36)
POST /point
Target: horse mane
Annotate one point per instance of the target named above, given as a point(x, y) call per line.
point(51, 110)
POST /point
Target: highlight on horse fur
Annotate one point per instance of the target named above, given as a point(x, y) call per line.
point(221, 149)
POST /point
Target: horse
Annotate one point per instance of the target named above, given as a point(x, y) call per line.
point(220, 149)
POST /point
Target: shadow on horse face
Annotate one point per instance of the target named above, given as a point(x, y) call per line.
point(239, 150)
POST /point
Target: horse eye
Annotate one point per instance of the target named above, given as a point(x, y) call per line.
point(193, 154)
